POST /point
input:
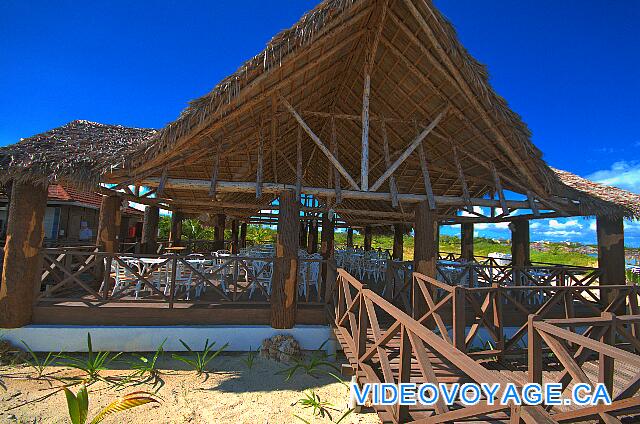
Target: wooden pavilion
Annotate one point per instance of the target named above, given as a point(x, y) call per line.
point(375, 111)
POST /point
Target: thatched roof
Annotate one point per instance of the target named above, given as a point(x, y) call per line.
point(79, 152)
point(317, 65)
point(419, 69)
point(596, 198)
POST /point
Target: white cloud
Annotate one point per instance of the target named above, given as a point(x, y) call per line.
point(561, 233)
point(573, 223)
point(622, 174)
point(535, 225)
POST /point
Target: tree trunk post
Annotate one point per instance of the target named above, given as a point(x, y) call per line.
point(108, 237)
point(398, 242)
point(327, 244)
point(243, 235)
point(234, 237)
point(425, 255)
point(22, 265)
point(218, 231)
point(349, 238)
point(611, 260)
point(367, 238)
point(150, 230)
point(520, 255)
point(466, 241)
point(312, 240)
point(285, 275)
point(303, 235)
point(176, 228)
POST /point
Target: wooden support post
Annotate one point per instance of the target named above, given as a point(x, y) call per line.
point(349, 238)
point(367, 238)
point(21, 269)
point(520, 253)
point(534, 351)
point(176, 228)
point(605, 363)
point(235, 246)
point(109, 224)
point(243, 235)
point(466, 241)
point(285, 276)
point(611, 260)
point(404, 371)
point(218, 231)
point(398, 242)
point(425, 254)
point(312, 239)
point(124, 229)
point(326, 249)
point(459, 318)
point(149, 240)
point(303, 235)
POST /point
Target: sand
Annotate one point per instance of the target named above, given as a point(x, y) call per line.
point(230, 393)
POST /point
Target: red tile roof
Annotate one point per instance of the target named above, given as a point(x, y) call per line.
point(69, 194)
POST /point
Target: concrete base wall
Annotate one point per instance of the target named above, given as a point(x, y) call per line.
point(68, 338)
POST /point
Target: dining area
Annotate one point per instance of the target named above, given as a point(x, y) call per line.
point(218, 276)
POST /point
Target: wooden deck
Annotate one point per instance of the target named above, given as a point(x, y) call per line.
point(384, 344)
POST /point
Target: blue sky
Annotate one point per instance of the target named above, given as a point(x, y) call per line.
point(569, 68)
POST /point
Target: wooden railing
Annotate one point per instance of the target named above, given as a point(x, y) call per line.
point(89, 275)
point(382, 342)
point(607, 338)
point(451, 309)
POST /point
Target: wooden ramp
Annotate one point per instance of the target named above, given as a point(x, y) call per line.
point(384, 344)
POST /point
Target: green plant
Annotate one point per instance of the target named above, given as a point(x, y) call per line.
point(38, 364)
point(201, 359)
point(251, 356)
point(78, 405)
point(93, 364)
point(320, 408)
point(147, 365)
point(316, 364)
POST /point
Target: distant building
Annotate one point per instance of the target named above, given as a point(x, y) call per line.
point(72, 216)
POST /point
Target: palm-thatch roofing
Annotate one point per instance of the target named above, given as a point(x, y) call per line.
point(243, 127)
point(79, 152)
point(593, 196)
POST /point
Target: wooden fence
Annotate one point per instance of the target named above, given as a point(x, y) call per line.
point(386, 345)
point(572, 342)
point(89, 275)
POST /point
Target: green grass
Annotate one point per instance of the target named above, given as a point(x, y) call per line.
point(556, 253)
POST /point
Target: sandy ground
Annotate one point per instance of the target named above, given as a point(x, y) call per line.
point(230, 393)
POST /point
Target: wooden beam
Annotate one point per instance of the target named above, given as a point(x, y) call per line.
point(299, 164)
point(498, 187)
point(463, 181)
point(274, 135)
point(273, 188)
point(163, 180)
point(364, 158)
point(426, 178)
point(471, 96)
point(336, 173)
point(393, 187)
point(320, 145)
point(409, 150)
point(260, 168)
